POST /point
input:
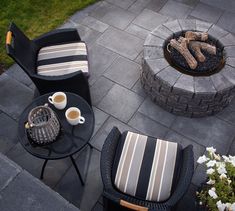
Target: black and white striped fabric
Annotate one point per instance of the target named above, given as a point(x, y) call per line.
point(145, 167)
point(62, 59)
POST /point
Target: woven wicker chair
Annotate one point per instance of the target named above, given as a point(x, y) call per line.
point(25, 53)
point(116, 200)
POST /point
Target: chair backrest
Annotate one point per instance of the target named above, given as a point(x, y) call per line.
point(21, 49)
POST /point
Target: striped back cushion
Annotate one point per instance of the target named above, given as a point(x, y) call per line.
point(145, 167)
point(62, 59)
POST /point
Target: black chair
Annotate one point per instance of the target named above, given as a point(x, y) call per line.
point(55, 61)
point(115, 199)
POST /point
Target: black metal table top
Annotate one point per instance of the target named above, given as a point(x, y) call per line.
point(71, 138)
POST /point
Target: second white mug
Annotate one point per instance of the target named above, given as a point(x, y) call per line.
point(73, 116)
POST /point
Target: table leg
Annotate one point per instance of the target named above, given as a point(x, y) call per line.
point(77, 170)
point(43, 167)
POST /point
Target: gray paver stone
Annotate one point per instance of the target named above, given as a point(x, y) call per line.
point(18, 73)
point(188, 24)
point(156, 5)
point(230, 51)
point(112, 15)
point(229, 73)
point(100, 59)
point(228, 5)
point(32, 195)
point(230, 61)
point(122, 3)
point(174, 26)
point(147, 126)
point(138, 6)
point(101, 135)
point(169, 75)
point(217, 32)
point(228, 40)
point(121, 42)
point(203, 85)
point(124, 72)
point(175, 9)
point(17, 98)
point(138, 31)
point(226, 21)
point(185, 82)
point(220, 82)
point(151, 52)
point(156, 113)
point(156, 65)
point(120, 103)
point(152, 40)
point(8, 171)
point(207, 13)
point(162, 32)
point(94, 24)
point(149, 19)
point(99, 89)
point(202, 26)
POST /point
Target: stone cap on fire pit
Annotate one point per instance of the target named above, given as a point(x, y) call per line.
point(193, 96)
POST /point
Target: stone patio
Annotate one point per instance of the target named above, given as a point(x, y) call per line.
point(115, 31)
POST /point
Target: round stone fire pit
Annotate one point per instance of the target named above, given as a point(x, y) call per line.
point(184, 94)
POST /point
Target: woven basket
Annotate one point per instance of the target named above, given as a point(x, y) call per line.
point(43, 125)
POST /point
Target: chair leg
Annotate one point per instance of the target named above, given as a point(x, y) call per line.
point(43, 168)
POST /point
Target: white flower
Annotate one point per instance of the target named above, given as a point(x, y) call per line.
point(232, 208)
point(210, 171)
point(232, 160)
point(217, 157)
point(229, 181)
point(212, 193)
point(211, 150)
point(211, 182)
point(226, 159)
point(220, 206)
point(220, 164)
point(228, 205)
point(211, 163)
point(221, 170)
point(202, 159)
point(223, 176)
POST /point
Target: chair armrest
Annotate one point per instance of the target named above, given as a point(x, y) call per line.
point(185, 178)
point(132, 206)
point(107, 156)
point(57, 36)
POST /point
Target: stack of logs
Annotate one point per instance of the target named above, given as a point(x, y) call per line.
point(196, 42)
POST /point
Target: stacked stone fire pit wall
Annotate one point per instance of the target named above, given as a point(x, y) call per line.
point(181, 94)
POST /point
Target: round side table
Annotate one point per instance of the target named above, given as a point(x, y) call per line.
point(71, 139)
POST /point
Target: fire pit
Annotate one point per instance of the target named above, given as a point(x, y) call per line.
point(188, 84)
point(211, 56)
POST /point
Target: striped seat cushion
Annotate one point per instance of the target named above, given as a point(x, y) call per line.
point(146, 168)
point(62, 59)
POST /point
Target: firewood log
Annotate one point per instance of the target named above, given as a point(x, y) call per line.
point(196, 46)
point(182, 48)
point(201, 36)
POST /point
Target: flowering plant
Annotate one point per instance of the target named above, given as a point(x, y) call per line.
point(219, 193)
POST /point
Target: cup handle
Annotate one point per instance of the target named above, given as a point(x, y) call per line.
point(81, 120)
point(50, 100)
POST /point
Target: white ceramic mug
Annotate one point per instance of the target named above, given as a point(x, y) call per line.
point(58, 99)
point(73, 116)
